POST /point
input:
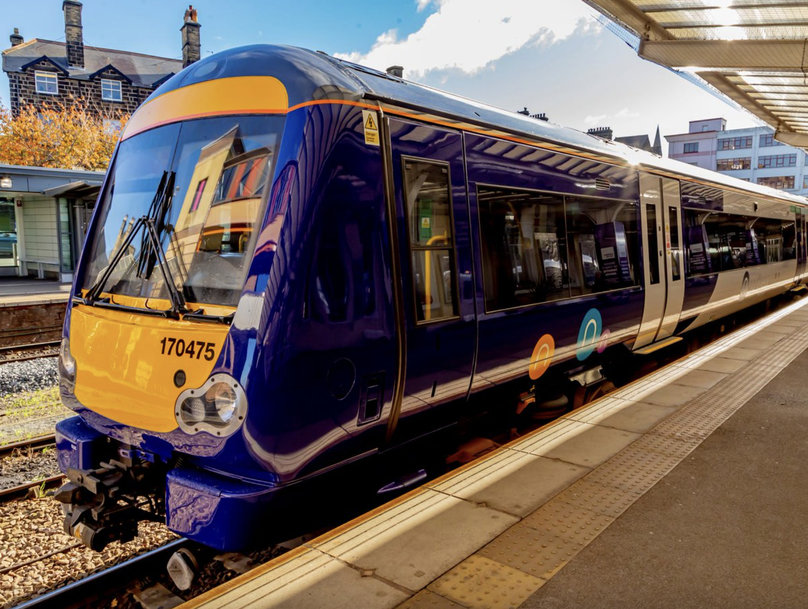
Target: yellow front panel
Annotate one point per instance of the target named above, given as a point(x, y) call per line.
point(233, 95)
point(125, 363)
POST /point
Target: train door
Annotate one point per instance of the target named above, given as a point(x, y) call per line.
point(429, 187)
point(660, 211)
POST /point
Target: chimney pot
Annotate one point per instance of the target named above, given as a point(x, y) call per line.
point(191, 50)
point(15, 38)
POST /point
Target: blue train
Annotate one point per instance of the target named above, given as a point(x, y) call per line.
point(298, 264)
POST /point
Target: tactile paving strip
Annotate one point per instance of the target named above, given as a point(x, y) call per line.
point(479, 582)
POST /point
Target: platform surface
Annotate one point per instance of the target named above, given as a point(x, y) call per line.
point(687, 488)
point(16, 291)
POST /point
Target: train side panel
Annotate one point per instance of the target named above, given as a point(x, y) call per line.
point(558, 250)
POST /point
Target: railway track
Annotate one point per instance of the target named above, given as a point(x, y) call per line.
point(35, 487)
point(24, 352)
point(29, 444)
point(98, 589)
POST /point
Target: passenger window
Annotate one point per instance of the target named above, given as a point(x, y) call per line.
point(734, 241)
point(429, 220)
point(540, 246)
point(524, 247)
point(603, 242)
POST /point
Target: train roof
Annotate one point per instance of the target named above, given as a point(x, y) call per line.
point(309, 75)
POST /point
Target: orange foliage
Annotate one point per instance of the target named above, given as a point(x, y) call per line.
point(71, 137)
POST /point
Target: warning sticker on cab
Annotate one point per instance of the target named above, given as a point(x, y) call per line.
point(371, 125)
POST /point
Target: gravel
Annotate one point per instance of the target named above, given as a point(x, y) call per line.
point(27, 466)
point(29, 375)
point(31, 530)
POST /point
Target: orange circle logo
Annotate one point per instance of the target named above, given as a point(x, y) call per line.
point(542, 356)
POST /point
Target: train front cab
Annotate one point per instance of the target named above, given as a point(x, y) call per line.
point(273, 360)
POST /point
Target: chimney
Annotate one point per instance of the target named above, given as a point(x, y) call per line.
point(397, 71)
point(73, 36)
point(15, 38)
point(190, 38)
point(601, 132)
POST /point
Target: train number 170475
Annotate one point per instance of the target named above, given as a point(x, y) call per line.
point(193, 349)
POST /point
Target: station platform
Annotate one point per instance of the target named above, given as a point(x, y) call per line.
point(687, 488)
point(18, 291)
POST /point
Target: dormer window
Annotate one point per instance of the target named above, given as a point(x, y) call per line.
point(111, 90)
point(47, 82)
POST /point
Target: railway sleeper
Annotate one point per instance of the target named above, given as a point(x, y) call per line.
point(105, 504)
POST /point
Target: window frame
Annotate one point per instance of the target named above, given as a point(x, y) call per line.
point(745, 160)
point(46, 78)
point(451, 247)
point(777, 187)
point(115, 85)
point(690, 148)
point(735, 143)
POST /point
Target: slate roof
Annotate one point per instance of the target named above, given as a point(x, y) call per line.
point(643, 142)
point(141, 70)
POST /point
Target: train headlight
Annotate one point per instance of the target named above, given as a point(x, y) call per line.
point(67, 365)
point(218, 407)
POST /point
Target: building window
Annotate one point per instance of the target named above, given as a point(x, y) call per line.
point(735, 143)
point(47, 82)
point(734, 164)
point(691, 147)
point(777, 160)
point(767, 139)
point(111, 90)
point(805, 182)
point(780, 182)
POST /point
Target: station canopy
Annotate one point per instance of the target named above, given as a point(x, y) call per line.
point(753, 51)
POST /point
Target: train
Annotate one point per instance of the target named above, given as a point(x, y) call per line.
point(298, 264)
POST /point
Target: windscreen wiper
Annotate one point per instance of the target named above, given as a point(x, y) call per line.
point(200, 315)
point(151, 243)
point(157, 213)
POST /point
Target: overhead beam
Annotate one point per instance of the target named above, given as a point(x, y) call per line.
point(632, 18)
point(730, 55)
point(798, 140)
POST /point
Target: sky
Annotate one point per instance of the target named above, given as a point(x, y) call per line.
point(557, 57)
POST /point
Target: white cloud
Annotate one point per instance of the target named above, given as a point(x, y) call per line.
point(470, 34)
point(590, 120)
point(626, 113)
point(422, 4)
point(600, 120)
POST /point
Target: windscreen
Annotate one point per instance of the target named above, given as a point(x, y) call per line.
point(201, 186)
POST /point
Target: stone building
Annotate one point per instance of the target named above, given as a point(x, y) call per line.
point(110, 82)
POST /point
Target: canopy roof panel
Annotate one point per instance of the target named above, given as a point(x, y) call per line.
point(753, 51)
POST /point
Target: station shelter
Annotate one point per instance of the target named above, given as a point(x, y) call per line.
point(44, 214)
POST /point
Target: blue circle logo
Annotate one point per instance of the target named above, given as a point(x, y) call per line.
point(589, 334)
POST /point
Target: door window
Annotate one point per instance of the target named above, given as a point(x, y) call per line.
point(429, 222)
point(653, 242)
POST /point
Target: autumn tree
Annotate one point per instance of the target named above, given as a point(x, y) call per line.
point(66, 137)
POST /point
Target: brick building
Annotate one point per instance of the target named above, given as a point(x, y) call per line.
point(111, 82)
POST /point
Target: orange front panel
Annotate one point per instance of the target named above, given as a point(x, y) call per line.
point(126, 362)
